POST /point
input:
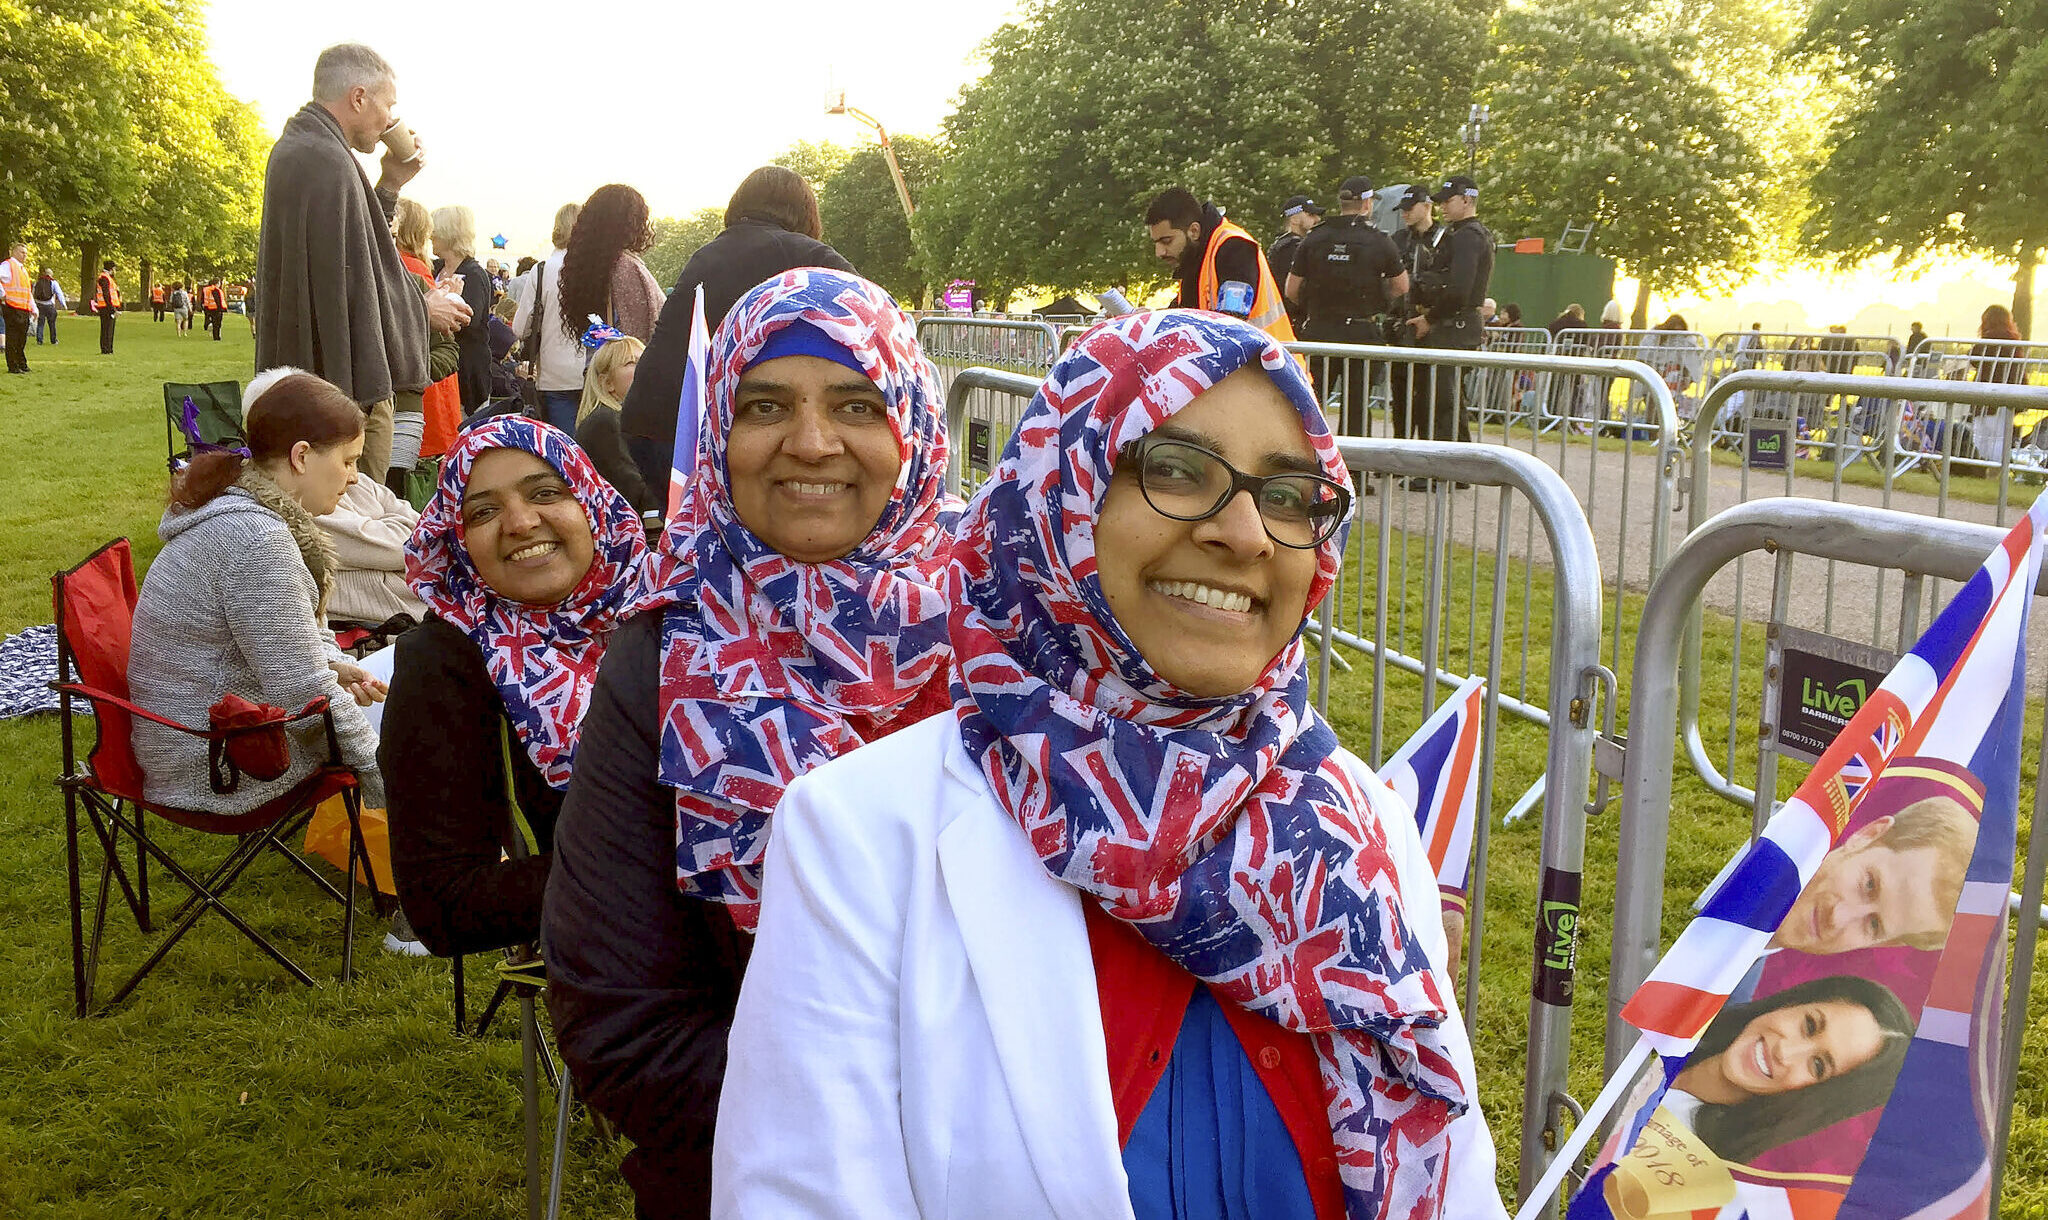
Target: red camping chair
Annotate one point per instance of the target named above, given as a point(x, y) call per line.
point(95, 605)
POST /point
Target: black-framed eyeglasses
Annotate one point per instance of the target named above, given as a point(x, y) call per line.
point(1189, 483)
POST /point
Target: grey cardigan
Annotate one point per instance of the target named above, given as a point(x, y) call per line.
point(229, 605)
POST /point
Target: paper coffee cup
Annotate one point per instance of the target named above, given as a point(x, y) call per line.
point(399, 139)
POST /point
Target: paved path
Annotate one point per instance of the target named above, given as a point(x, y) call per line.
point(1617, 488)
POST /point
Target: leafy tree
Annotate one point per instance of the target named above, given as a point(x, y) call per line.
point(816, 160)
point(118, 138)
point(1089, 109)
point(675, 240)
point(1597, 119)
point(863, 218)
point(1393, 80)
point(1781, 105)
point(1939, 145)
point(65, 142)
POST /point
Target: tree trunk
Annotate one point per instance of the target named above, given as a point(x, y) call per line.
point(146, 270)
point(1640, 319)
point(2023, 291)
point(88, 268)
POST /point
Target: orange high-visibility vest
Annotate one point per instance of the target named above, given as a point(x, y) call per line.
point(110, 292)
point(211, 297)
point(1268, 312)
point(18, 296)
point(156, 294)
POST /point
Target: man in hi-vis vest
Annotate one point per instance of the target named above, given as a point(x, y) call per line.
point(1220, 266)
point(106, 302)
point(19, 304)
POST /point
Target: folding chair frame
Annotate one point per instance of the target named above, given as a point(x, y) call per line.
point(179, 450)
point(110, 817)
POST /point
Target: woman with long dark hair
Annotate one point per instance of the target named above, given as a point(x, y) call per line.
point(602, 274)
point(1783, 1067)
point(771, 226)
point(1990, 355)
point(1996, 357)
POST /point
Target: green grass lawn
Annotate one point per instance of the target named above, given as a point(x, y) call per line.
point(223, 1089)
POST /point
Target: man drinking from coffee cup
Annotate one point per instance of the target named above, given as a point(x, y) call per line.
point(335, 299)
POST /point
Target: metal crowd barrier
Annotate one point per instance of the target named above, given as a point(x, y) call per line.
point(1888, 619)
point(1678, 357)
point(954, 344)
point(1666, 660)
point(1931, 433)
point(1619, 471)
point(1575, 678)
point(1801, 351)
point(1516, 484)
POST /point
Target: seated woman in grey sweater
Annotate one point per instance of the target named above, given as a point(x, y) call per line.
point(236, 600)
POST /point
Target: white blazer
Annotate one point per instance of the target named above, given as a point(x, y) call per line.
point(919, 1032)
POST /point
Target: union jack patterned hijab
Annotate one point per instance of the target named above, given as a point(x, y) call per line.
point(1225, 830)
point(542, 659)
point(781, 665)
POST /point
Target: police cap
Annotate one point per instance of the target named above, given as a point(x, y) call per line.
point(1456, 184)
point(1300, 203)
point(1355, 188)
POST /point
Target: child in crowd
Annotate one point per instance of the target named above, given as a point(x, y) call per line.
point(605, 384)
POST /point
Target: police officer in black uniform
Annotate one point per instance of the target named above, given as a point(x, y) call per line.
point(1415, 243)
point(1449, 291)
point(1300, 215)
point(1345, 275)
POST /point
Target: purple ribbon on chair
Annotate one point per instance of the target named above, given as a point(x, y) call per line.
point(189, 425)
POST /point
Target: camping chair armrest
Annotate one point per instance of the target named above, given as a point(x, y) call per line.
point(99, 696)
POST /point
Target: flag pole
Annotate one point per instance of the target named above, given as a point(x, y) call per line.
point(1589, 1123)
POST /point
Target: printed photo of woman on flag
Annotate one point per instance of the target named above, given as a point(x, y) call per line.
point(1784, 1090)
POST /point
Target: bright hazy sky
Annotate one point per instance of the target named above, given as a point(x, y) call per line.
point(542, 103)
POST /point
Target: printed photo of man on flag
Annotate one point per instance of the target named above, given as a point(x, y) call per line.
point(1825, 1031)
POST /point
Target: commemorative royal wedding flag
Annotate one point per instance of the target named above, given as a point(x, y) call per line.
point(1825, 1031)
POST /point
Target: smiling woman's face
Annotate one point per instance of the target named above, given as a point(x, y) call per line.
point(525, 531)
point(811, 458)
point(1798, 1047)
point(1209, 604)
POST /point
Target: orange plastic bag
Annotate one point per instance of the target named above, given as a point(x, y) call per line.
point(327, 838)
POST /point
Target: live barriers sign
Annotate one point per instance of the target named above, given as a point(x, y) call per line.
point(1813, 684)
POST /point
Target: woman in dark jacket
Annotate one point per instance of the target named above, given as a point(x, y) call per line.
point(527, 560)
point(455, 254)
point(771, 225)
point(810, 624)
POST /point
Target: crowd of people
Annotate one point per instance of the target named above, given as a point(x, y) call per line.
point(1000, 842)
point(825, 771)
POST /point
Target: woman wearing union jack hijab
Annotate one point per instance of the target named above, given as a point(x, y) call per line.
point(808, 556)
point(1128, 933)
point(527, 561)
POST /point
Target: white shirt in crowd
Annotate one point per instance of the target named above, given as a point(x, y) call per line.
point(561, 355)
